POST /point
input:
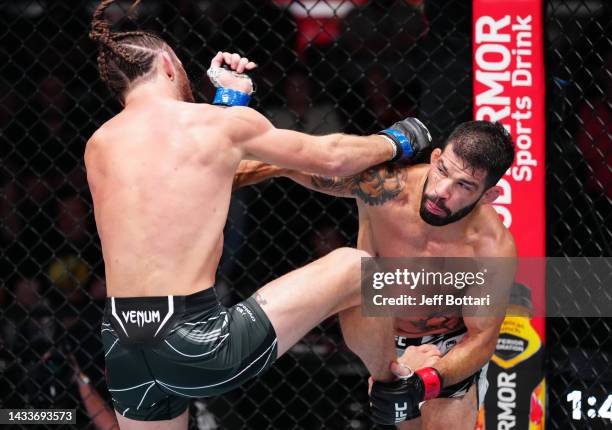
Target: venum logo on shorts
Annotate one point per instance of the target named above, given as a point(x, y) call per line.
point(141, 317)
point(400, 412)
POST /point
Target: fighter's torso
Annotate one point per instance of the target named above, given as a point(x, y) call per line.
point(395, 229)
point(160, 179)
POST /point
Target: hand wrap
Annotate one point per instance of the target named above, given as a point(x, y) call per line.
point(226, 96)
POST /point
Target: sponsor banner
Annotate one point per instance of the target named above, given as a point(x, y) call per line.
point(509, 87)
point(508, 66)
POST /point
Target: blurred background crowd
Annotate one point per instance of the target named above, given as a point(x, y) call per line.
point(324, 66)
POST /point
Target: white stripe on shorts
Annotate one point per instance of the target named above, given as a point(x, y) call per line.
point(168, 386)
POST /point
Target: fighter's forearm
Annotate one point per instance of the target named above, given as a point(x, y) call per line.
point(465, 359)
point(374, 186)
point(338, 186)
point(253, 172)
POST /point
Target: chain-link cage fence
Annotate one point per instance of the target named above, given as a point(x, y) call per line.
point(579, 202)
point(324, 66)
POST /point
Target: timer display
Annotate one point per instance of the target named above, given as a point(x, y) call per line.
point(592, 408)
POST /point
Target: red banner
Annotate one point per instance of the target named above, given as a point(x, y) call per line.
point(508, 66)
point(509, 87)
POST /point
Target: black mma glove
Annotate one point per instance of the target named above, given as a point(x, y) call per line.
point(396, 401)
point(410, 137)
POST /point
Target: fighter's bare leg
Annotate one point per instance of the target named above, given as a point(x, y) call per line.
point(178, 423)
point(458, 414)
point(299, 300)
point(358, 332)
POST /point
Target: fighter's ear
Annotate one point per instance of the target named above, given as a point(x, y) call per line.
point(167, 65)
point(435, 155)
point(490, 195)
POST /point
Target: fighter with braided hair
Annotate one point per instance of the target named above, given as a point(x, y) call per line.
point(160, 172)
point(126, 59)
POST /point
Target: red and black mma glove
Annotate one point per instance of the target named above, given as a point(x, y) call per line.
point(396, 401)
point(410, 137)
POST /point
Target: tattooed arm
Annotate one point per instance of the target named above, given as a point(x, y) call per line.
point(374, 186)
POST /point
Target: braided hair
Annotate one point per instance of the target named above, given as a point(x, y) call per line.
point(123, 57)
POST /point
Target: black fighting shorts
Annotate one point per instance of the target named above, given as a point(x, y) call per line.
point(161, 351)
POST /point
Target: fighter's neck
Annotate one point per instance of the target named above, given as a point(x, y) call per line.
point(147, 92)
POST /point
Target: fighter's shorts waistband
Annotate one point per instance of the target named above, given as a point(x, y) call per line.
point(146, 319)
point(197, 301)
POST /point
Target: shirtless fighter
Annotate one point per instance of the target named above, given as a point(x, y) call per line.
point(160, 173)
point(437, 209)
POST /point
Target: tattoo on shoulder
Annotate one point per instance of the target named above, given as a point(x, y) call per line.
point(374, 186)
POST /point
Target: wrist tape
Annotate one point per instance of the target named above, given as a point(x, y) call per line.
point(227, 97)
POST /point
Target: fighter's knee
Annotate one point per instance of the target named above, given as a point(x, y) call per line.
point(346, 263)
point(349, 256)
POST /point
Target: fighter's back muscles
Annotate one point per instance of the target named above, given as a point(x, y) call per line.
point(160, 180)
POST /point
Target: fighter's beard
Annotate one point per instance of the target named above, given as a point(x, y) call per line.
point(437, 220)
